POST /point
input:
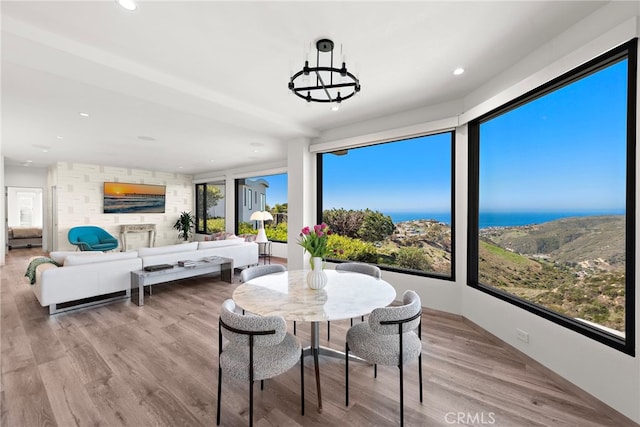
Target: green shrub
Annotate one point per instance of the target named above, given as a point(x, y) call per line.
point(352, 249)
point(343, 222)
point(215, 225)
point(375, 226)
point(368, 225)
point(413, 258)
point(246, 228)
point(278, 233)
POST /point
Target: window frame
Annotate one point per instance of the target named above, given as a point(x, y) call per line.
point(627, 50)
point(320, 209)
point(198, 216)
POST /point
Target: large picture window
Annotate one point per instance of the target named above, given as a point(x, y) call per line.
point(263, 193)
point(391, 204)
point(552, 207)
point(210, 207)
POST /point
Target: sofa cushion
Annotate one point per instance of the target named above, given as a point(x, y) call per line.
point(161, 250)
point(60, 256)
point(98, 257)
point(220, 243)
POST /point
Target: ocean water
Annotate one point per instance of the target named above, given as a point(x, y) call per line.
point(137, 204)
point(499, 219)
point(397, 217)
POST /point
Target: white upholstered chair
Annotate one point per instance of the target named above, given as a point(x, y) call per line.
point(258, 348)
point(391, 336)
point(356, 267)
point(260, 270)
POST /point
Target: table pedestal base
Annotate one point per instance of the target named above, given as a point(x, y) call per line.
point(316, 350)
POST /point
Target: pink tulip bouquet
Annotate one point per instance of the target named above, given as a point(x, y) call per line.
point(315, 240)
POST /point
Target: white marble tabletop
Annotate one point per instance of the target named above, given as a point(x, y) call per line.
point(286, 294)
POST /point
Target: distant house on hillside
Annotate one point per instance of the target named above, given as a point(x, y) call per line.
point(252, 197)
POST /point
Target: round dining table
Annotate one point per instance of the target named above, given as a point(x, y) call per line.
point(286, 294)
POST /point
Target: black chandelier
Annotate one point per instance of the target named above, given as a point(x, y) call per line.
point(322, 83)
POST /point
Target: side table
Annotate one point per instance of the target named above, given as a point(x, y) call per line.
point(264, 251)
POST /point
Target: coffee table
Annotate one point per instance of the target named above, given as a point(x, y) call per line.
point(142, 278)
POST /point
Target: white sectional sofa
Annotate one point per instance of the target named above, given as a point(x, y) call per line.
point(91, 274)
point(83, 275)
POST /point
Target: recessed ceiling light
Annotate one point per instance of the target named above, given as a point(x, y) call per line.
point(59, 137)
point(44, 150)
point(335, 107)
point(84, 114)
point(458, 71)
point(29, 161)
point(127, 4)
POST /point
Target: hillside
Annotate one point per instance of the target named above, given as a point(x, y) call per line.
point(574, 266)
point(588, 243)
point(431, 236)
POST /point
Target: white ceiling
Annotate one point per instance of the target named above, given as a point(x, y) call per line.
point(208, 80)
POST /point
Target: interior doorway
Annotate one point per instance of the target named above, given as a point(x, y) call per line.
point(24, 214)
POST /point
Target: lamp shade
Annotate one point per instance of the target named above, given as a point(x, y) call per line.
point(261, 216)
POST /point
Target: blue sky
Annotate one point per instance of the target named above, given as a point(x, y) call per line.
point(565, 151)
point(562, 152)
point(277, 191)
point(413, 175)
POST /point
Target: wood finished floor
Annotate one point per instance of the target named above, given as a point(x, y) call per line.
point(124, 365)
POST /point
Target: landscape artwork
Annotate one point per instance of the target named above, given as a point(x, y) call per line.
point(133, 198)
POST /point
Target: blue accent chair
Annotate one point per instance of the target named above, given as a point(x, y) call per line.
point(92, 238)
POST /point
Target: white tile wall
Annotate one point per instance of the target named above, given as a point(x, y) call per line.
point(79, 201)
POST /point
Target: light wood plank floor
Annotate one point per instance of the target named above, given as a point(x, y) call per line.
point(124, 365)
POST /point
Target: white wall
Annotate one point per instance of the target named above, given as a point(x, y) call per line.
point(3, 235)
point(79, 189)
point(301, 192)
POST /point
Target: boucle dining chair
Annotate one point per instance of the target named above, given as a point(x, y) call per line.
point(392, 336)
point(260, 270)
point(258, 348)
point(356, 267)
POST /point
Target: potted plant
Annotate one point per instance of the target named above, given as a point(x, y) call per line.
point(184, 225)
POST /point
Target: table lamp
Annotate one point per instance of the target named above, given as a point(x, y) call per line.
point(261, 216)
